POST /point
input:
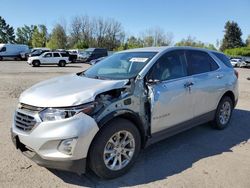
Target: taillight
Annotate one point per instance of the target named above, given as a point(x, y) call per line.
point(236, 73)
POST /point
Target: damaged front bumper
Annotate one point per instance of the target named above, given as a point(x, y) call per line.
point(77, 166)
point(43, 144)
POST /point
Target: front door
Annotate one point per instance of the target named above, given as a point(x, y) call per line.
point(170, 91)
point(47, 58)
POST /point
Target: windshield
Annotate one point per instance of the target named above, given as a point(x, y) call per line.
point(120, 65)
point(86, 53)
point(35, 52)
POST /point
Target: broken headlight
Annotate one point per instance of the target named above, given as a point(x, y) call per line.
point(53, 114)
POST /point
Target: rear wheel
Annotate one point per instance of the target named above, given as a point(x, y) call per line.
point(62, 63)
point(115, 149)
point(223, 113)
point(1, 58)
point(36, 63)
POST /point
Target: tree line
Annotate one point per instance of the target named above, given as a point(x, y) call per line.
point(85, 31)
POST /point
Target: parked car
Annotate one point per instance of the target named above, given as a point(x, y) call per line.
point(95, 61)
point(235, 62)
point(14, 51)
point(78, 54)
point(38, 51)
point(93, 53)
point(104, 116)
point(73, 56)
point(246, 61)
point(49, 58)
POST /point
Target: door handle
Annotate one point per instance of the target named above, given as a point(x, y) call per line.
point(188, 84)
point(219, 76)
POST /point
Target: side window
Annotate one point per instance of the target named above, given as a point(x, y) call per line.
point(214, 65)
point(48, 55)
point(3, 49)
point(171, 65)
point(224, 59)
point(56, 55)
point(200, 62)
point(64, 55)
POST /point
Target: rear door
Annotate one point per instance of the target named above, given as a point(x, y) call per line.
point(56, 58)
point(170, 93)
point(207, 79)
point(66, 57)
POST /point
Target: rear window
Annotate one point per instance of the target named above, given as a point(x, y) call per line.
point(56, 55)
point(200, 62)
point(64, 54)
point(224, 59)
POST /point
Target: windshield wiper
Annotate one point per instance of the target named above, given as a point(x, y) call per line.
point(94, 77)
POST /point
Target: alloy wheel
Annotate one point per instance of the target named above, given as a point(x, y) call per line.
point(119, 150)
point(225, 113)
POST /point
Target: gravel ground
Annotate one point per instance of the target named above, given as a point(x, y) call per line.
point(200, 157)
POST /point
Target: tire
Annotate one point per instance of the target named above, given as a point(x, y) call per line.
point(36, 63)
point(223, 113)
point(1, 58)
point(62, 63)
point(101, 142)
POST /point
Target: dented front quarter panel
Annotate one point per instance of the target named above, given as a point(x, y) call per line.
point(138, 96)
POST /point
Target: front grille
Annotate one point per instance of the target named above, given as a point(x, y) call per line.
point(24, 122)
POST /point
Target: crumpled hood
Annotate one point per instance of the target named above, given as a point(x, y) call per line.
point(69, 90)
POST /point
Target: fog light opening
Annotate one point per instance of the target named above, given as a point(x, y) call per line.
point(67, 146)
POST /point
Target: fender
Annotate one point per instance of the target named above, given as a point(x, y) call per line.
point(131, 116)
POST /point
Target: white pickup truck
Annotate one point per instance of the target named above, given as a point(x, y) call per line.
point(49, 58)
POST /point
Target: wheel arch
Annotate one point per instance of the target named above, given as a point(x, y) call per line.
point(62, 60)
point(128, 115)
point(230, 94)
point(36, 60)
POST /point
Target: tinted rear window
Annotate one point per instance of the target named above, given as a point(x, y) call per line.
point(200, 62)
point(64, 54)
point(56, 55)
point(224, 59)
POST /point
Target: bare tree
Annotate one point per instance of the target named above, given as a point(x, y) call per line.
point(96, 32)
point(75, 31)
point(114, 34)
point(156, 37)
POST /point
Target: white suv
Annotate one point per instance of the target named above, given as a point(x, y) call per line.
point(102, 117)
point(49, 58)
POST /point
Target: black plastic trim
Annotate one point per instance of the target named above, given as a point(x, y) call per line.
point(129, 115)
point(77, 166)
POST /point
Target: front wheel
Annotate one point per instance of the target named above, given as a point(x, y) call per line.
point(115, 149)
point(223, 113)
point(61, 63)
point(36, 63)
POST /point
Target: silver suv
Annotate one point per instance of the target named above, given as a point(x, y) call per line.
point(104, 116)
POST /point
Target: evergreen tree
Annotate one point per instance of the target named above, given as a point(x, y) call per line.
point(24, 35)
point(58, 39)
point(232, 37)
point(248, 41)
point(7, 34)
point(39, 36)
